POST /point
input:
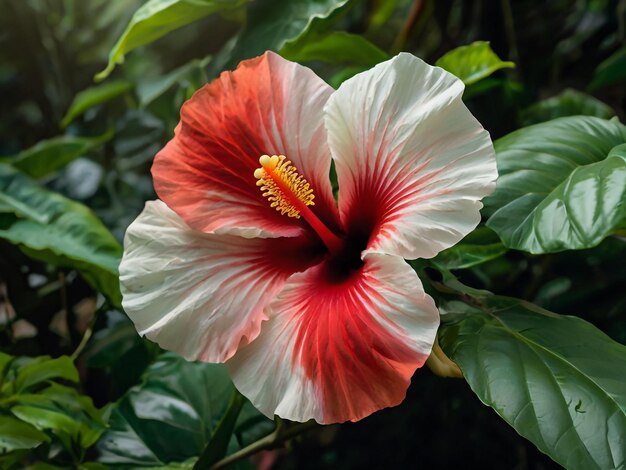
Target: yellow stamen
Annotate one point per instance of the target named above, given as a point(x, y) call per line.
point(286, 190)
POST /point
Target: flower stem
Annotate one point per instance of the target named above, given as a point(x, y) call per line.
point(440, 364)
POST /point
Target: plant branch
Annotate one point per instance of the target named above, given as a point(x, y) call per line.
point(88, 332)
point(509, 30)
point(276, 439)
point(409, 24)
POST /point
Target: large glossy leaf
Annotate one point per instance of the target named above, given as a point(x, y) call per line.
point(558, 380)
point(57, 230)
point(156, 18)
point(612, 70)
point(473, 62)
point(51, 155)
point(568, 103)
point(94, 96)
point(270, 25)
point(171, 415)
point(562, 185)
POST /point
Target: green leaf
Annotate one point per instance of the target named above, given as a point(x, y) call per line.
point(15, 435)
point(70, 416)
point(156, 18)
point(560, 187)
point(51, 155)
point(94, 96)
point(473, 62)
point(150, 90)
point(44, 369)
point(336, 80)
point(57, 230)
point(337, 47)
point(271, 24)
point(568, 103)
point(171, 415)
point(466, 255)
point(217, 446)
point(557, 380)
point(109, 345)
point(612, 70)
point(121, 352)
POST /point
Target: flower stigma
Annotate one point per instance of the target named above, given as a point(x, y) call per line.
point(283, 186)
point(290, 194)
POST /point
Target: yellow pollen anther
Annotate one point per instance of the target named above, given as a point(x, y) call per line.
point(283, 187)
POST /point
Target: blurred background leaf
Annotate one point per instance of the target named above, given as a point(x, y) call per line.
point(36, 410)
point(472, 63)
point(568, 103)
point(156, 18)
point(52, 228)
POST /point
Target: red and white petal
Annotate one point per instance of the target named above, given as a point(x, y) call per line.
point(198, 294)
point(268, 105)
point(412, 162)
point(338, 352)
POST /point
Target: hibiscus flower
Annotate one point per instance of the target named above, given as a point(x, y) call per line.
point(248, 259)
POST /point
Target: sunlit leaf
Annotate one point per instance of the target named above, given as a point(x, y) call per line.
point(70, 416)
point(568, 103)
point(44, 369)
point(171, 415)
point(562, 185)
point(612, 70)
point(57, 230)
point(94, 96)
point(558, 380)
point(156, 18)
point(51, 155)
point(473, 62)
point(16, 434)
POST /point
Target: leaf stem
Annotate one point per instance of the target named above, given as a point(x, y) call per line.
point(83, 342)
point(218, 443)
point(88, 332)
point(280, 435)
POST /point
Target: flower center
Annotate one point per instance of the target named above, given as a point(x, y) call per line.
point(291, 194)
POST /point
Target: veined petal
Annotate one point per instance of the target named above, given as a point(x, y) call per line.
point(201, 295)
point(412, 162)
point(339, 352)
point(268, 105)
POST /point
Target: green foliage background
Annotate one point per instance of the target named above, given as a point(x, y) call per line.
point(91, 90)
